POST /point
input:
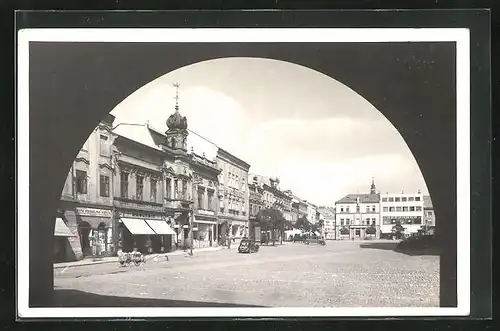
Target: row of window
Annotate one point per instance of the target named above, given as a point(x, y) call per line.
point(365, 222)
point(368, 209)
point(139, 187)
point(81, 183)
point(400, 199)
point(402, 208)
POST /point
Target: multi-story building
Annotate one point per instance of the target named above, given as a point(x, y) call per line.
point(233, 195)
point(429, 216)
point(138, 188)
point(311, 212)
point(354, 213)
point(84, 223)
point(327, 214)
point(406, 209)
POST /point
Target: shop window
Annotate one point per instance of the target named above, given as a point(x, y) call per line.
point(152, 194)
point(81, 182)
point(104, 186)
point(124, 184)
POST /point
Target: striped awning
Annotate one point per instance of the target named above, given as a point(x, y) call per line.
point(160, 227)
point(61, 229)
point(137, 226)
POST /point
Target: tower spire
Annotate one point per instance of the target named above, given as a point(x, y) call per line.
point(176, 85)
point(372, 187)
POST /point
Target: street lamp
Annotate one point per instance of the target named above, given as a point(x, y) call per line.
point(196, 181)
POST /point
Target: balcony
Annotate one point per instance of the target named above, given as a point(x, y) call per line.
point(177, 203)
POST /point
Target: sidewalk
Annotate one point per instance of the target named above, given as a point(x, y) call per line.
point(114, 259)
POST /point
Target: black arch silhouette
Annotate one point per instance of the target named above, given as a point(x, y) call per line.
point(74, 85)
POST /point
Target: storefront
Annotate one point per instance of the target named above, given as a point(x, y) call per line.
point(204, 229)
point(145, 235)
point(62, 248)
point(94, 230)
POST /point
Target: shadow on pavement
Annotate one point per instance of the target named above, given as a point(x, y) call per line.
point(76, 298)
point(413, 246)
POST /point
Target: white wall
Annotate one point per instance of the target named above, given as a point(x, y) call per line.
point(401, 205)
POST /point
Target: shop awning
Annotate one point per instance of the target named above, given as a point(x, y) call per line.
point(160, 227)
point(137, 226)
point(61, 229)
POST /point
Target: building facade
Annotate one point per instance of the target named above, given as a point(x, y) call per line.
point(429, 215)
point(84, 216)
point(405, 209)
point(311, 212)
point(355, 213)
point(233, 196)
point(327, 215)
point(138, 189)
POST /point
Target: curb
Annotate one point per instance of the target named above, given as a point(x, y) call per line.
point(67, 265)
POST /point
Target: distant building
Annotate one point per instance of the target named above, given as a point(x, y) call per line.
point(233, 195)
point(311, 212)
point(429, 215)
point(354, 213)
point(404, 208)
point(327, 214)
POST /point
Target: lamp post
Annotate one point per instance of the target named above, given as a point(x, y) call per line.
point(196, 181)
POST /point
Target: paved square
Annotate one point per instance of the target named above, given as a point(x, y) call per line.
point(340, 274)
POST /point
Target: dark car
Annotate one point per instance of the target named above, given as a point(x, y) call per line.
point(315, 240)
point(248, 246)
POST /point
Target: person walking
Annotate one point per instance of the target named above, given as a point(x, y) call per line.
point(229, 237)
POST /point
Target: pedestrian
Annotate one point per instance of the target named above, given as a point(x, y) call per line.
point(229, 242)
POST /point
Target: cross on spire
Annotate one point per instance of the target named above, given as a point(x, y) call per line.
point(176, 85)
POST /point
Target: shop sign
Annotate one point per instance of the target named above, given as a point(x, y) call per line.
point(83, 211)
point(140, 215)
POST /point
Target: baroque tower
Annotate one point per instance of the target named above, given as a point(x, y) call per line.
point(177, 127)
point(372, 187)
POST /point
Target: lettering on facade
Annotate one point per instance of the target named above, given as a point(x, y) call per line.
point(141, 215)
point(83, 211)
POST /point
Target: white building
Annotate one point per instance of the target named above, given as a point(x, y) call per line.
point(311, 212)
point(354, 213)
point(328, 216)
point(406, 208)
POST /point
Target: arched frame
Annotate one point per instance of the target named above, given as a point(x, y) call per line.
point(412, 84)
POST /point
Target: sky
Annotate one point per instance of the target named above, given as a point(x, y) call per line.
point(319, 137)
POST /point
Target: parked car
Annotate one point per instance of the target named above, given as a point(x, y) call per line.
point(248, 246)
point(315, 240)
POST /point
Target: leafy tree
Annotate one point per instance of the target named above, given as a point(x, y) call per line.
point(371, 230)
point(344, 231)
point(398, 230)
point(271, 219)
point(303, 224)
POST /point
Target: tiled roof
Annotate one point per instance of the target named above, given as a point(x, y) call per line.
point(428, 202)
point(363, 198)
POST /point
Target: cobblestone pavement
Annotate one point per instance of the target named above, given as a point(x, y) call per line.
point(340, 274)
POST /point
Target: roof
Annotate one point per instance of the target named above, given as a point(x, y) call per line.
point(363, 198)
point(327, 212)
point(428, 202)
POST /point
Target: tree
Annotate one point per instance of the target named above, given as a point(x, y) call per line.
point(398, 230)
point(271, 219)
point(303, 224)
point(371, 230)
